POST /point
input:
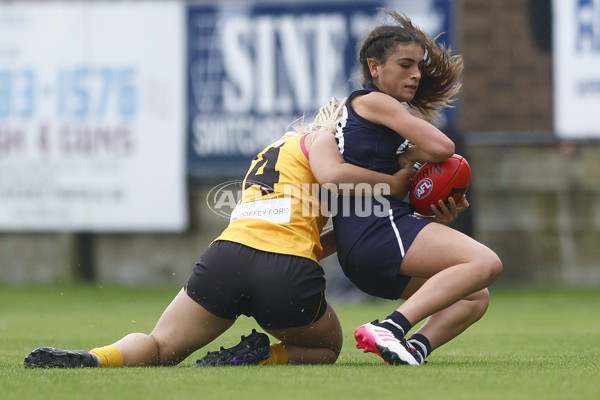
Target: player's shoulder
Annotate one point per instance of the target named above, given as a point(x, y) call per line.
point(378, 107)
point(290, 135)
point(375, 102)
point(287, 137)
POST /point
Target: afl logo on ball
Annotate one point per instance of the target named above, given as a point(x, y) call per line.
point(423, 188)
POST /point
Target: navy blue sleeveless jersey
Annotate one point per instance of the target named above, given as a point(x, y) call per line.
point(372, 235)
point(367, 144)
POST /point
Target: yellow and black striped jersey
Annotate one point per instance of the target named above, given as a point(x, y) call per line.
point(279, 210)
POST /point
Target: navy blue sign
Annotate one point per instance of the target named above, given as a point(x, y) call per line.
point(256, 68)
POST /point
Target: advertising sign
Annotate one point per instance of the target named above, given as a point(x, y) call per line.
point(256, 67)
point(576, 52)
point(92, 116)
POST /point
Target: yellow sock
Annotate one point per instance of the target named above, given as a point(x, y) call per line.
point(109, 356)
point(279, 355)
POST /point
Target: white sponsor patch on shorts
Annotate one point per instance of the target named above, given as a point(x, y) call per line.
point(278, 211)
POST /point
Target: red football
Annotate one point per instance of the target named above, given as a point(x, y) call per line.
point(439, 181)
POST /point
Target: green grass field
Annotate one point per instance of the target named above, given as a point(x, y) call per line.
point(532, 344)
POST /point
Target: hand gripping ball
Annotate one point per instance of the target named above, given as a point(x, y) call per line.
point(439, 181)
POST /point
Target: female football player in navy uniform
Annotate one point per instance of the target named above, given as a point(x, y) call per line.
point(441, 273)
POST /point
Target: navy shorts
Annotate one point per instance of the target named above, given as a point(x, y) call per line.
point(373, 261)
point(278, 290)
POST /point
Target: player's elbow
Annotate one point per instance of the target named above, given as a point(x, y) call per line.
point(442, 151)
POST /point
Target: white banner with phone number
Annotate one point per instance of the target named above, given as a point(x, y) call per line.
point(92, 116)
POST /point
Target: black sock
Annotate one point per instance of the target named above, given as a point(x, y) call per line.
point(397, 323)
point(421, 344)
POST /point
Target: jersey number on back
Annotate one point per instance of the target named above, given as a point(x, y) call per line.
point(264, 171)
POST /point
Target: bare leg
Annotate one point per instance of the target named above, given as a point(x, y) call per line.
point(184, 327)
point(450, 272)
point(454, 265)
point(318, 343)
point(450, 322)
point(447, 324)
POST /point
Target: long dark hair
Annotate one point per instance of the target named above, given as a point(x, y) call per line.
point(441, 72)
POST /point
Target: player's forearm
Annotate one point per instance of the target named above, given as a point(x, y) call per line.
point(328, 241)
point(346, 178)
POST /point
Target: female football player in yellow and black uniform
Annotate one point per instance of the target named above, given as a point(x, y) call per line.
point(263, 265)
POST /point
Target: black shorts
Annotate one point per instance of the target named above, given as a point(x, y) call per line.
point(278, 290)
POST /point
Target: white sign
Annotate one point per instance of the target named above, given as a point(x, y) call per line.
point(576, 55)
point(92, 108)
